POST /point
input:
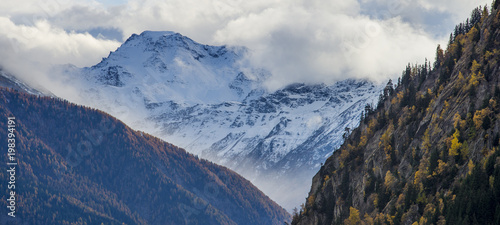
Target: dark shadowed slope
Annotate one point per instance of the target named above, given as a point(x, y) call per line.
point(81, 166)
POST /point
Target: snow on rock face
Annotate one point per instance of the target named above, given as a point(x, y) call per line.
point(207, 100)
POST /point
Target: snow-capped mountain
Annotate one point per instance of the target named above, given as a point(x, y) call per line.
point(210, 101)
point(166, 66)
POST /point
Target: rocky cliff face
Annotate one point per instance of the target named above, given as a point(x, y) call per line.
point(429, 153)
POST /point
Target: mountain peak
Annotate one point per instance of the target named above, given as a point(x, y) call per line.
point(154, 35)
point(159, 41)
point(158, 34)
point(177, 65)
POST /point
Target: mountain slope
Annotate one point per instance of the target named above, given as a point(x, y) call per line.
point(7, 80)
point(209, 100)
point(429, 153)
point(80, 166)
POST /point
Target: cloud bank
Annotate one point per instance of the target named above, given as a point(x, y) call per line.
point(298, 40)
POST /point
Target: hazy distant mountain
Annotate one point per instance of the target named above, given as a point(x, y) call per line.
point(7, 80)
point(81, 166)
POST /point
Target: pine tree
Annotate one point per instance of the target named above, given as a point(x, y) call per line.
point(475, 17)
point(439, 56)
point(457, 31)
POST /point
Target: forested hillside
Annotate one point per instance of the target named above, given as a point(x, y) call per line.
point(428, 153)
point(80, 166)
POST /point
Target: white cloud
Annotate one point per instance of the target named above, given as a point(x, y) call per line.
point(51, 45)
point(314, 46)
point(298, 40)
point(460, 7)
point(29, 51)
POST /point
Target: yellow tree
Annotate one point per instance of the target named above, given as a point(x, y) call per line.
point(386, 141)
point(354, 218)
point(455, 144)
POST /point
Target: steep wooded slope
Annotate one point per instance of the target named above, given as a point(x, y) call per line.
point(429, 153)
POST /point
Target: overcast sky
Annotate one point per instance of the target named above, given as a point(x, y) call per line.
point(297, 40)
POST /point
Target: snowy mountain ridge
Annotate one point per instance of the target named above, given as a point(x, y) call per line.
point(210, 101)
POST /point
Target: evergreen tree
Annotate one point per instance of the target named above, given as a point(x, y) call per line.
point(439, 56)
point(475, 17)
